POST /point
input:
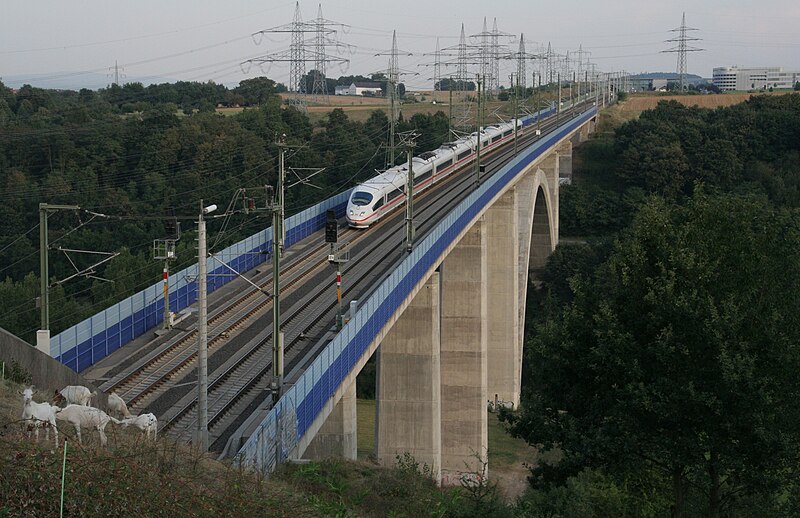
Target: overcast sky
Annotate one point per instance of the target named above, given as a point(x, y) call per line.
point(64, 42)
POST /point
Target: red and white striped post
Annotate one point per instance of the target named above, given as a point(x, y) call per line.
point(339, 300)
point(166, 294)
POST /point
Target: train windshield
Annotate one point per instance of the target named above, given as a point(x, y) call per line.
point(361, 198)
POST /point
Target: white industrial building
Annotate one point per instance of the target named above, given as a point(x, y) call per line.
point(359, 89)
point(763, 78)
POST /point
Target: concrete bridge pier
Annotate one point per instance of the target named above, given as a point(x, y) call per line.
point(338, 435)
point(565, 163)
point(504, 345)
point(408, 417)
point(464, 365)
point(544, 222)
point(537, 224)
point(583, 134)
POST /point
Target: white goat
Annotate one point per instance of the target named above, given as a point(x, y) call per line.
point(145, 422)
point(117, 404)
point(74, 395)
point(86, 417)
point(38, 415)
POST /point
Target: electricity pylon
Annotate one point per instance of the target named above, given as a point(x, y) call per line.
point(682, 48)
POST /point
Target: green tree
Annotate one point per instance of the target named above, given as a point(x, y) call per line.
point(256, 91)
point(677, 361)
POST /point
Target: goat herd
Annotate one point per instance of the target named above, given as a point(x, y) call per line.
point(80, 414)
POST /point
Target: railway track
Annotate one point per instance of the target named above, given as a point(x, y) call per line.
point(169, 360)
point(300, 318)
point(226, 401)
point(237, 384)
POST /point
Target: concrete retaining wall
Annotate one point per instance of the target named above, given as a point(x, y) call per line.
point(48, 373)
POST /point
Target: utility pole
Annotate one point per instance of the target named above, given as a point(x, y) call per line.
point(43, 336)
point(450, 119)
point(201, 435)
point(410, 143)
point(392, 84)
point(276, 203)
point(596, 90)
point(516, 109)
point(277, 250)
point(538, 116)
point(558, 108)
point(478, 148)
point(572, 91)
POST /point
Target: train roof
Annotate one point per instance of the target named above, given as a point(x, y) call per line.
point(395, 177)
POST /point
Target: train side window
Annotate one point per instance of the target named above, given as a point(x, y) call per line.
point(422, 177)
point(378, 204)
point(464, 155)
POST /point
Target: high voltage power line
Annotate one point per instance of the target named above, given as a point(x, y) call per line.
point(682, 48)
point(302, 51)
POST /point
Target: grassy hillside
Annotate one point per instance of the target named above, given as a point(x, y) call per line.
point(134, 477)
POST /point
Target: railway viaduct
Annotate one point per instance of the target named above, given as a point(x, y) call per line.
point(455, 340)
point(446, 323)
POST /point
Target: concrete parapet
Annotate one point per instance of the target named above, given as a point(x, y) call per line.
point(47, 373)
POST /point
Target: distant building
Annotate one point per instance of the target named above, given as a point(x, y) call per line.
point(734, 78)
point(359, 89)
point(644, 84)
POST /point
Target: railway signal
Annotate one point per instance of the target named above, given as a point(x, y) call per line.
point(331, 227)
point(164, 250)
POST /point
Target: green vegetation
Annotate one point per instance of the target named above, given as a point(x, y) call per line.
point(662, 354)
point(125, 152)
point(145, 478)
point(504, 450)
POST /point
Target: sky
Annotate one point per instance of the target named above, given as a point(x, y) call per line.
point(57, 44)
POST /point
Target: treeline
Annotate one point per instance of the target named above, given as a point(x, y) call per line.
point(661, 356)
point(753, 147)
point(137, 153)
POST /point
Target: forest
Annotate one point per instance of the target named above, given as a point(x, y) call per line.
point(661, 354)
point(663, 343)
point(137, 154)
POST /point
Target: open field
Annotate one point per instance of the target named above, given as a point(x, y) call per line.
point(360, 108)
point(637, 103)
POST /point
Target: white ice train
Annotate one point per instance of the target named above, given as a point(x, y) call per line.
point(378, 196)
